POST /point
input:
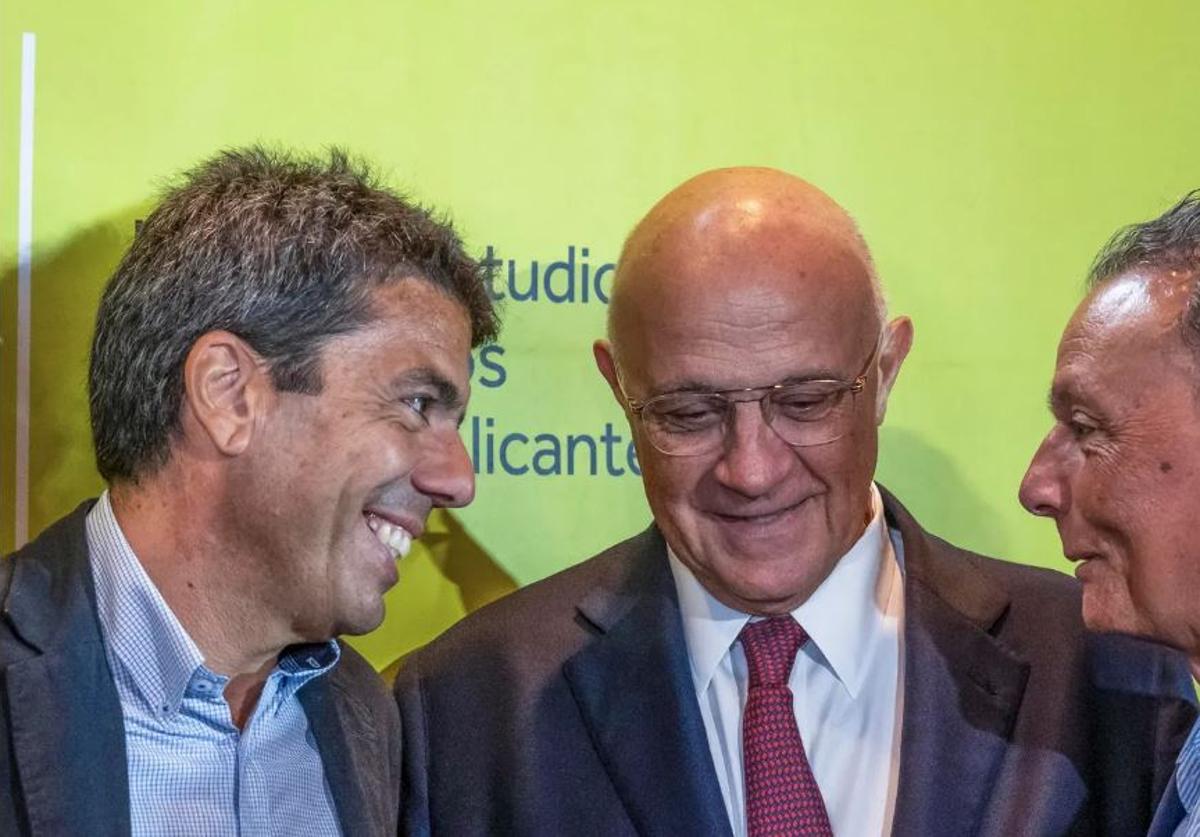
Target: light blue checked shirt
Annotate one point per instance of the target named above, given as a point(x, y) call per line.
point(191, 771)
point(1187, 783)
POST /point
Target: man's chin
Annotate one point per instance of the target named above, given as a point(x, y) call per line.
point(772, 590)
point(362, 622)
point(1103, 615)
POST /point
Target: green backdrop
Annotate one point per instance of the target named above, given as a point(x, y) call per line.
point(986, 148)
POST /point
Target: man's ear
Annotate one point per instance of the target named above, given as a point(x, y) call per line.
point(602, 351)
point(897, 340)
point(227, 388)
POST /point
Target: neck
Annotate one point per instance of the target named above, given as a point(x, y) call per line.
point(242, 693)
point(178, 541)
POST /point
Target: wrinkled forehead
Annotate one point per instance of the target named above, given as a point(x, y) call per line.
point(1124, 344)
point(1132, 313)
point(733, 323)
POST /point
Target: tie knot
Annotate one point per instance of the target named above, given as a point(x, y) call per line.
point(771, 646)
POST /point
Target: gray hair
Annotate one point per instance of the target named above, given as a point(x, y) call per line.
point(1170, 242)
point(283, 251)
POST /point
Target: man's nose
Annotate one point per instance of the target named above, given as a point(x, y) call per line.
point(1044, 491)
point(755, 458)
point(445, 473)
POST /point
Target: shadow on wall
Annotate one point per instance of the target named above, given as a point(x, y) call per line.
point(451, 562)
point(932, 487)
point(480, 580)
point(66, 282)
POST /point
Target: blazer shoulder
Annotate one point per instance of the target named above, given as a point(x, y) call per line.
point(357, 678)
point(540, 620)
point(979, 586)
point(1008, 599)
point(12, 648)
point(64, 537)
point(1045, 611)
point(1030, 586)
point(46, 592)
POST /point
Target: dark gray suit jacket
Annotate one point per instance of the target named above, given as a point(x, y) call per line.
point(1170, 813)
point(62, 740)
point(568, 708)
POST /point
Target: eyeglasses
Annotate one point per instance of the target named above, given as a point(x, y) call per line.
point(802, 413)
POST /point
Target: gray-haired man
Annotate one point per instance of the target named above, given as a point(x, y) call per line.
point(1120, 469)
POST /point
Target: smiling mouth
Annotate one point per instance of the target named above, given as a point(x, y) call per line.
point(393, 536)
point(1085, 564)
point(762, 519)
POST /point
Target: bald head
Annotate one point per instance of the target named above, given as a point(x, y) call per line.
point(737, 230)
point(744, 311)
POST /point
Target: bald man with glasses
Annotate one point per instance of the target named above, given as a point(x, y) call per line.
point(784, 651)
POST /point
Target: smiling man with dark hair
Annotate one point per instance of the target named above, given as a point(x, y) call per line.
point(277, 377)
point(785, 651)
point(1119, 472)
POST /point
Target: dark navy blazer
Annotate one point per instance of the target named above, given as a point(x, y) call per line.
point(1170, 813)
point(62, 740)
point(568, 708)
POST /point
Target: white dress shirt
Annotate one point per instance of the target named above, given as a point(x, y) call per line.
point(848, 681)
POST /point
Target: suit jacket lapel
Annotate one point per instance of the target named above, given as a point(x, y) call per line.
point(348, 743)
point(962, 689)
point(69, 742)
point(635, 693)
point(1170, 812)
point(64, 713)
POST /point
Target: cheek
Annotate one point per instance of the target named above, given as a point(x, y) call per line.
point(384, 447)
point(1134, 497)
point(1162, 556)
point(1143, 528)
point(671, 481)
point(846, 466)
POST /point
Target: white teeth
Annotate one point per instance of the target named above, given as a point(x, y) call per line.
point(400, 541)
point(396, 538)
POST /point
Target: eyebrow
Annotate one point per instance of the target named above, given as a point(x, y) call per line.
point(1057, 398)
point(692, 385)
point(1062, 394)
point(447, 392)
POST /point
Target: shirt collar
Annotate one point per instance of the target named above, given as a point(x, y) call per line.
point(300, 664)
point(140, 631)
point(1187, 770)
point(143, 635)
point(844, 616)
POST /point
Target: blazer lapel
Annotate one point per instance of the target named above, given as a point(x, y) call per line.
point(69, 743)
point(67, 732)
point(962, 690)
point(1170, 812)
point(635, 693)
point(347, 742)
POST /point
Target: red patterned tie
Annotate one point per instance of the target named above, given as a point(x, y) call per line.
point(782, 797)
